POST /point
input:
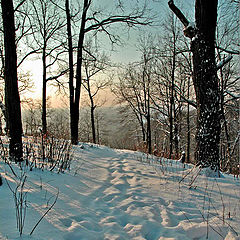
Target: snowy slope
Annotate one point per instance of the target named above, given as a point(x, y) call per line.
point(113, 194)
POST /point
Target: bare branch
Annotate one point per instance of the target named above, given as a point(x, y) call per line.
point(129, 20)
point(19, 5)
point(189, 30)
point(224, 62)
point(178, 13)
point(58, 76)
point(228, 51)
point(27, 55)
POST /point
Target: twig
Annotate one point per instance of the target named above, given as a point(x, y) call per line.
point(12, 170)
point(191, 183)
point(226, 223)
point(185, 215)
point(186, 175)
point(210, 225)
point(223, 205)
point(20, 201)
point(45, 213)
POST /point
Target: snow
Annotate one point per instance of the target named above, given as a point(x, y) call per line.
point(120, 194)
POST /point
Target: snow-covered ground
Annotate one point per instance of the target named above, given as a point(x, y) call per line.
point(119, 194)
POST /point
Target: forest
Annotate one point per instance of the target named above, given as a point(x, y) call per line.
point(164, 98)
point(155, 94)
point(81, 80)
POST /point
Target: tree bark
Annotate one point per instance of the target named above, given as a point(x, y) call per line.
point(44, 92)
point(71, 72)
point(93, 124)
point(172, 102)
point(12, 99)
point(206, 85)
point(148, 118)
point(205, 81)
point(188, 125)
point(74, 114)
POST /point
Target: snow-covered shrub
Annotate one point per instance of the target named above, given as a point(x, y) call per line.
point(42, 152)
point(47, 153)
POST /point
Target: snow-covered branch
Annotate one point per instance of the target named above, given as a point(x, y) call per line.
point(223, 62)
point(233, 95)
point(189, 28)
point(178, 13)
point(228, 51)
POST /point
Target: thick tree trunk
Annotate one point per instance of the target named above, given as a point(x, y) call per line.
point(12, 99)
point(206, 85)
point(205, 80)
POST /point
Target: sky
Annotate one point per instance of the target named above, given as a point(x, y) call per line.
point(121, 54)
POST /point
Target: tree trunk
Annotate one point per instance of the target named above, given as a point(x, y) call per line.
point(143, 129)
point(149, 134)
point(176, 137)
point(98, 131)
point(74, 115)
point(1, 130)
point(205, 80)
point(149, 130)
point(93, 124)
point(188, 125)
point(71, 75)
point(12, 99)
point(227, 164)
point(206, 85)
point(44, 93)
point(172, 103)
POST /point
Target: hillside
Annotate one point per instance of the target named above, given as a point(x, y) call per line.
point(120, 194)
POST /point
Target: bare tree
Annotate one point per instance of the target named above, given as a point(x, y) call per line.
point(93, 21)
point(171, 56)
point(172, 69)
point(134, 88)
point(48, 21)
point(227, 39)
point(31, 117)
point(12, 99)
point(94, 64)
point(205, 80)
point(128, 91)
point(22, 31)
